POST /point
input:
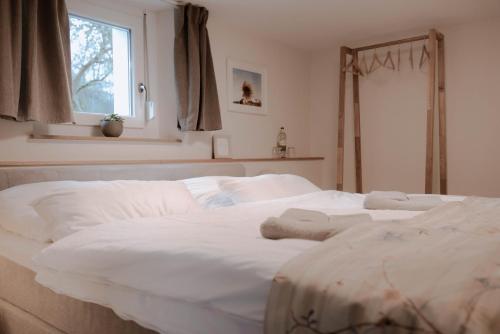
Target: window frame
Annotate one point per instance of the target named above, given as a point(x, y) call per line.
point(90, 11)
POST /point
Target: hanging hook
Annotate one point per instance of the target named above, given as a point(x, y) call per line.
point(388, 61)
point(411, 56)
point(353, 67)
point(424, 56)
point(376, 63)
point(364, 64)
point(399, 57)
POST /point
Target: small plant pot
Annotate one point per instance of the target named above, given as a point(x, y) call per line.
point(111, 128)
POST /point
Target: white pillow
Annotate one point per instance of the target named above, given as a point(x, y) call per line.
point(207, 192)
point(103, 202)
point(17, 214)
point(266, 187)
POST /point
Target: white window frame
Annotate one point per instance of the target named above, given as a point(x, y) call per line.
point(134, 24)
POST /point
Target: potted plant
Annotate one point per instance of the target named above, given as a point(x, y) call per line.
point(112, 125)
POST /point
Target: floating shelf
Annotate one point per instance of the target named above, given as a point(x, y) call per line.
point(148, 162)
point(104, 139)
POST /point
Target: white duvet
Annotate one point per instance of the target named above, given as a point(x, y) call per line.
point(214, 259)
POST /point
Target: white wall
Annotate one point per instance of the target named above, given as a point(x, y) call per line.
point(323, 111)
point(252, 136)
point(393, 115)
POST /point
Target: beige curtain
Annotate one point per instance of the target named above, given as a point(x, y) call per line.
point(198, 102)
point(35, 61)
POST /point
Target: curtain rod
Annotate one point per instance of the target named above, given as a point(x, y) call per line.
point(397, 42)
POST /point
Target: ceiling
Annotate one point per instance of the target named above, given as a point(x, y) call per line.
point(315, 24)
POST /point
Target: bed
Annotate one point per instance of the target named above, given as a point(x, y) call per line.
point(210, 271)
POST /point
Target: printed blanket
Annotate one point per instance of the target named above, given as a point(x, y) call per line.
point(437, 273)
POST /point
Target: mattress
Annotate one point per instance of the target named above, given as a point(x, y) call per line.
point(27, 307)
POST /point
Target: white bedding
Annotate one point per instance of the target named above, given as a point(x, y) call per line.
point(19, 249)
point(213, 260)
point(175, 316)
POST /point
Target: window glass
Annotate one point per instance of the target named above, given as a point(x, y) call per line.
point(100, 67)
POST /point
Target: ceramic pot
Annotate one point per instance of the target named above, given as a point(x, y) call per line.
point(112, 128)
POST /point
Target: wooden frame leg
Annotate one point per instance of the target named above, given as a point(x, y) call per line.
point(430, 112)
point(341, 119)
point(357, 127)
point(443, 171)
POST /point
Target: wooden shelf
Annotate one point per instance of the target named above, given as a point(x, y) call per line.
point(148, 162)
point(267, 159)
point(104, 139)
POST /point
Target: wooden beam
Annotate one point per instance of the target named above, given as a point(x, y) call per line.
point(443, 171)
point(396, 42)
point(357, 127)
point(341, 118)
point(431, 92)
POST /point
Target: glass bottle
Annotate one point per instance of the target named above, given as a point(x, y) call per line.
point(281, 142)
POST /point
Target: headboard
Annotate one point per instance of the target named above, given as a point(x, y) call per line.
point(12, 176)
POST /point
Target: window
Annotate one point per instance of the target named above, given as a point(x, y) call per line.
point(100, 67)
point(106, 64)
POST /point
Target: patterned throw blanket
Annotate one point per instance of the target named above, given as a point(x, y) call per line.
point(438, 273)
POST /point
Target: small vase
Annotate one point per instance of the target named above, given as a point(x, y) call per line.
point(111, 128)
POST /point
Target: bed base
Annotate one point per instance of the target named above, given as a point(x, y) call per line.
point(27, 307)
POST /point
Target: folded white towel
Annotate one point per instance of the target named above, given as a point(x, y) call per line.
point(309, 225)
point(391, 200)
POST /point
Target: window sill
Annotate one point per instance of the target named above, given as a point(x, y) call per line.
point(36, 137)
point(95, 120)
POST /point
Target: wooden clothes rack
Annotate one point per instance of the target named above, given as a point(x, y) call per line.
point(436, 64)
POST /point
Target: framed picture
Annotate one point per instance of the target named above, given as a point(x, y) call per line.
point(221, 146)
point(247, 88)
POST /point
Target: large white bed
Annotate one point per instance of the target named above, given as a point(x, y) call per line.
point(205, 271)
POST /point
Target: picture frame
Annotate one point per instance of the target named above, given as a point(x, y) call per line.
point(247, 88)
point(221, 147)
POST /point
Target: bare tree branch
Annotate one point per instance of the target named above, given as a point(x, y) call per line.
point(92, 82)
point(88, 65)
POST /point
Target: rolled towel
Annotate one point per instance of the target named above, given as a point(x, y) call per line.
point(308, 225)
point(381, 200)
point(305, 215)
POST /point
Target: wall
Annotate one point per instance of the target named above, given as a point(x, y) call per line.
point(393, 115)
point(252, 136)
point(324, 102)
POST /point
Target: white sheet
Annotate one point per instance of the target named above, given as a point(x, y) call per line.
point(175, 316)
point(215, 260)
